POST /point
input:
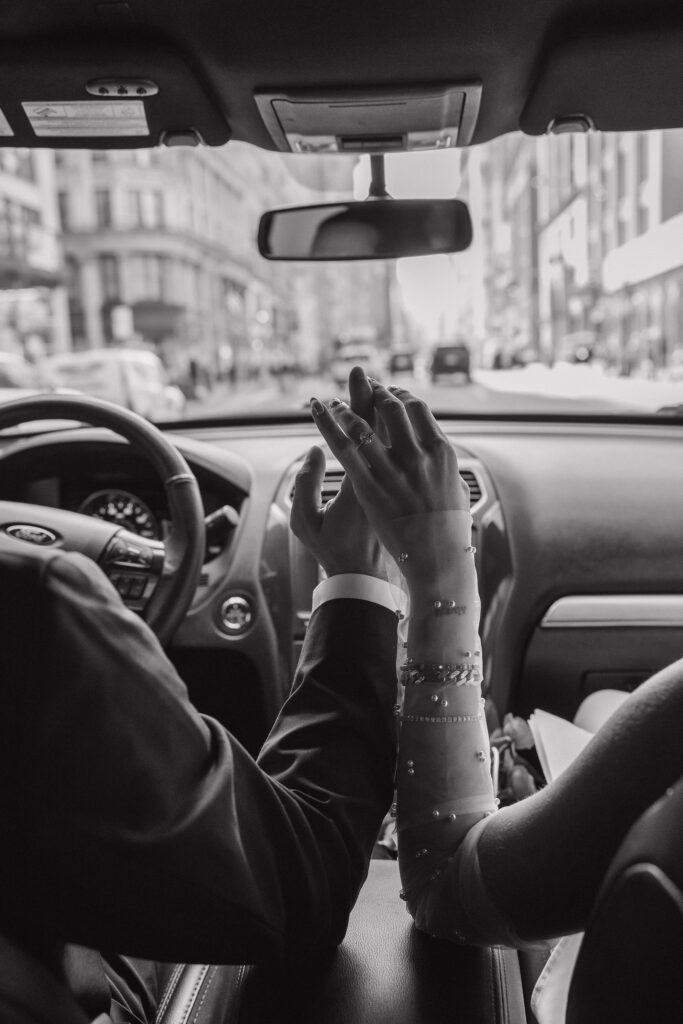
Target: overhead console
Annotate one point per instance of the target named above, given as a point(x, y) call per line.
point(371, 120)
point(118, 92)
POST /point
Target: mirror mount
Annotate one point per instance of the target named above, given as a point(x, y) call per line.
point(378, 184)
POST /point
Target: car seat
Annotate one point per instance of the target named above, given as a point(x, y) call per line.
point(31, 994)
point(628, 970)
point(629, 966)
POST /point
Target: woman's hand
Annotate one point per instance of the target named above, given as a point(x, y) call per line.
point(338, 534)
point(396, 483)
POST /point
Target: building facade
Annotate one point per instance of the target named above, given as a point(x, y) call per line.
point(160, 248)
point(577, 250)
point(33, 309)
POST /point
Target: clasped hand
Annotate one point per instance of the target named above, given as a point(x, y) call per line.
point(399, 465)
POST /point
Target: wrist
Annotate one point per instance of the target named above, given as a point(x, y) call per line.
point(356, 568)
point(424, 588)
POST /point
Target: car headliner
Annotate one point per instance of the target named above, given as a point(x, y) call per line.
point(619, 63)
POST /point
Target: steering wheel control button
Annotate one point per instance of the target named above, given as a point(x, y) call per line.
point(236, 615)
point(122, 584)
point(32, 534)
point(124, 551)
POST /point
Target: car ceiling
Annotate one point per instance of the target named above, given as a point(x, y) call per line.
point(617, 63)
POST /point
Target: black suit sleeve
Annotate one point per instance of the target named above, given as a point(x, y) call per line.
point(133, 823)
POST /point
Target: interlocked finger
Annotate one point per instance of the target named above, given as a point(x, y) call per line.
point(424, 424)
point(400, 431)
point(362, 401)
point(342, 446)
point(367, 444)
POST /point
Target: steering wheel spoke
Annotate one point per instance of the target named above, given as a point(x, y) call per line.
point(134, 565)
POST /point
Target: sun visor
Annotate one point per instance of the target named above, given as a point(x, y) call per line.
point(119, 93)
point(371, 121)
point(613, 82)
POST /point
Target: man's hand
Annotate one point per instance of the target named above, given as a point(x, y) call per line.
point(338, 535)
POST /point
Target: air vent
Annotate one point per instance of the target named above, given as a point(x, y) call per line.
point(472, 481)
point(334, 476)
point(331, 484)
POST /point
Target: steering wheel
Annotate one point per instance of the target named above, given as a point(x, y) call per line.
point(156, 579)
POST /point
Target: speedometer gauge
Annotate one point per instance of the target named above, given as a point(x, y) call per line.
point(124, 509)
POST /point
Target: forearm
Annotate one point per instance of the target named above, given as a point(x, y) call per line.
point(134, 823)
point(444, 781)
point(334, 747)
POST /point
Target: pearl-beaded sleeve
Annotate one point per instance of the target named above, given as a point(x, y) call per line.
point(444, 785)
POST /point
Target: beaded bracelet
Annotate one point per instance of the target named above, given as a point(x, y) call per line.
point(462, 674)
point(440, 719)
point(447, 606)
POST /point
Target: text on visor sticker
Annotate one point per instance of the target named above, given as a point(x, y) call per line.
point(88, 118)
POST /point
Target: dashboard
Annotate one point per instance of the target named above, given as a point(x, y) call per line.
point(578, 536)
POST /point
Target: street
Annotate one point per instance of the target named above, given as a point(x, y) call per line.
point(535, 389)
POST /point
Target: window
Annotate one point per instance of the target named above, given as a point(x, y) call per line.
point(109, 277)
point(18, 162)
point(146, 278)
point(146, 208)
point(63, 206)
point(73, 277)
point(103, 208)
point(643, 156)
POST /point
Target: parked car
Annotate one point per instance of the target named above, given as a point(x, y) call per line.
point(452, 360)
point(401, 362)
point(348, 356)
point(134, 378)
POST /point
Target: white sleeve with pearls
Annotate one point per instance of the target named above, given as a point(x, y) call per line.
point(444, 786)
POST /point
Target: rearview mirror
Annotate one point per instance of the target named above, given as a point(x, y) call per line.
point(376, 229)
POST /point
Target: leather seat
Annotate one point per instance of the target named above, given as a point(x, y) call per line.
point(386, 972)
point(629, 966)
point(31, 994)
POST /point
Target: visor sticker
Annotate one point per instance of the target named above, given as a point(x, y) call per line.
point(5, 126)
point(88, 118)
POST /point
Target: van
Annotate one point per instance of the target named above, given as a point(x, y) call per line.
point(450, 361)
point(133, 378)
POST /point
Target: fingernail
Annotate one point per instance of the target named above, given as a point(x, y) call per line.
point(393, 387)
point(371, 380)
point(335, 402)
point(316, 406)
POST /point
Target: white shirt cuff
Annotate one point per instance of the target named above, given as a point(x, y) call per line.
point(361, 588)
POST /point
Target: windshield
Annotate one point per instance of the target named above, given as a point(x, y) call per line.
point(134, 276)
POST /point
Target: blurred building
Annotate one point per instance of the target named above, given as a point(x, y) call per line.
point(610, 247)
point(160, 248)
point(642, 271)
point(497, 281)
point(577, 249)
point(33, 316)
